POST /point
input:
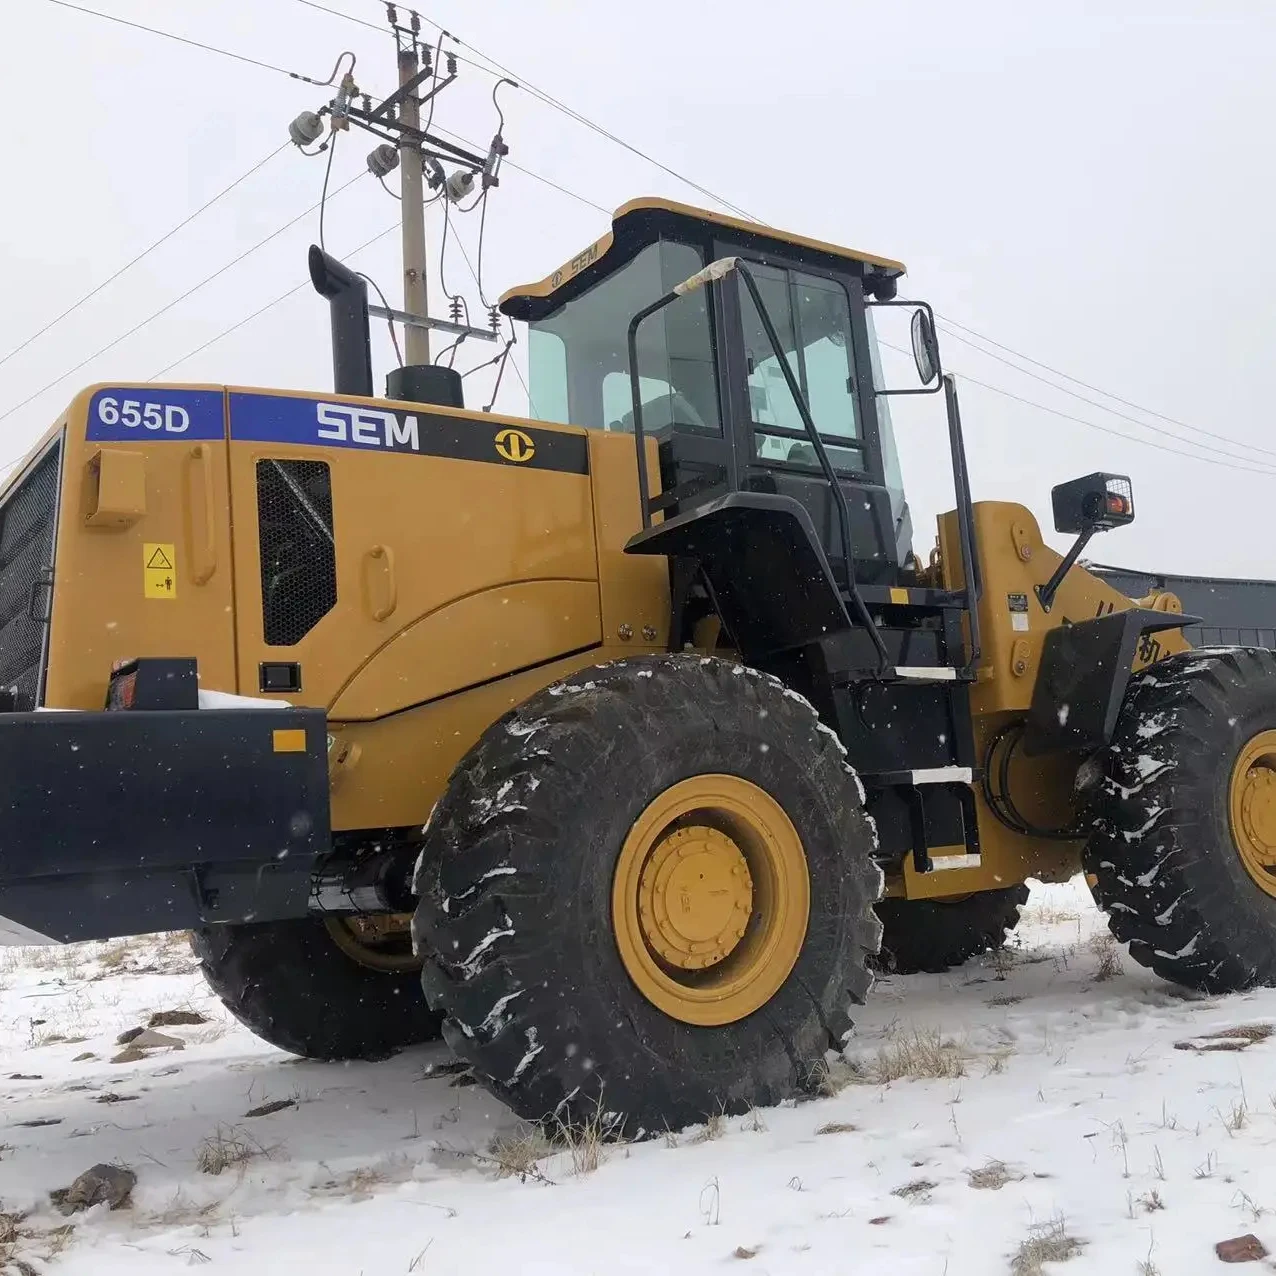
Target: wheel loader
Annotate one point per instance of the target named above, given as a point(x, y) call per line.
point(620, 745)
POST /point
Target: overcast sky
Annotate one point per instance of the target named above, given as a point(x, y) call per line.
point(1091, 190)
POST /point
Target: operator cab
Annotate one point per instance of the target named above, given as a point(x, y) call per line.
point(711, 387)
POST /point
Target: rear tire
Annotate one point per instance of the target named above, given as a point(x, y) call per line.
point(1170, 870)
point(934, 936)
point(524, 855)
point(291, 985)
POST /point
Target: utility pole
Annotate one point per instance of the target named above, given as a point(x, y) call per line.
point(396, 121)
point(411, 187)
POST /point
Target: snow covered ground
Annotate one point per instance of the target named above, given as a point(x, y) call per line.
point(1065, 1107)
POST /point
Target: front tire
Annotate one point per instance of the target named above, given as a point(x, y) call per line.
point(1184, 848)
point(609, 916)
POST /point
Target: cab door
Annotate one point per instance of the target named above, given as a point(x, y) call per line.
point(819, 321)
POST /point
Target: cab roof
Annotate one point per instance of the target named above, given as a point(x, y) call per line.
point(643, 221)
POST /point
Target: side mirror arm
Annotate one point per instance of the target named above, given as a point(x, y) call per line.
point(1046, 592)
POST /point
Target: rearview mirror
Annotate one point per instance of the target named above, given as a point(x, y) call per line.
point(925, 346)
point(925, 343)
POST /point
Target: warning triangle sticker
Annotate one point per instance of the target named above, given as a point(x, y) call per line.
point(159, 561)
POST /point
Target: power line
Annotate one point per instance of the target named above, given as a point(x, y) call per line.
point(190, 354)
point(88, 296)
point(270, 305)
point(349, 17)
point(1236, 443)
point(1120, 434)
point(1138, 407)
point(548, 99)
point(557, 104)
point(327, 177)
point(181, 39)
point(1103, 407)
point(474, 275)
point(535, 176)
point(1092, 425)
point(221, 270)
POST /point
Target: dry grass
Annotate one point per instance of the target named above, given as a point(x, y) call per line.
point(837, 1127)
point(1237, 1118)
point(714, 1128)
point(829, 1079)
point(360, 1181)
point(995, 1063)
point(59, 958)
point(13, 1234)
point(116, 953)
point(1228, 1039)
point(993, 1176)
point(1045, 1243)
point(225, 1148)
point(917, 1190)
point(585, 1142)
point(57, 1239)
point(1104, 947)
point(515, 1153)
point(921, 1053)
point(182, 1212)
point(1048, 915)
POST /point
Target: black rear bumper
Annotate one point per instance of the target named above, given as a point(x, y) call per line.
point(129, 822)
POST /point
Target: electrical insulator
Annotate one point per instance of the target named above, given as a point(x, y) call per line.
point(459, 185)
point(455, 304)
point(494, 318)
point(383, 160)
point(492, 165)
point(451, 63)
point(433, 170)
point(305, 129)
point(393, 14)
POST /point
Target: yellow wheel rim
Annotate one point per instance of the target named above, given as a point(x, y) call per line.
point(1253, 809)
point(711, 899)
point(380, 941)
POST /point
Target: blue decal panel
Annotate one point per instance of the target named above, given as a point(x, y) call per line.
point(145, 414)
point(271, 418)
point(268, 418)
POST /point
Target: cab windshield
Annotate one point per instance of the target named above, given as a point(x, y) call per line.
point(578, 363)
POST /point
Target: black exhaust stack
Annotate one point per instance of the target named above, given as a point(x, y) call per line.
point(347, 295)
